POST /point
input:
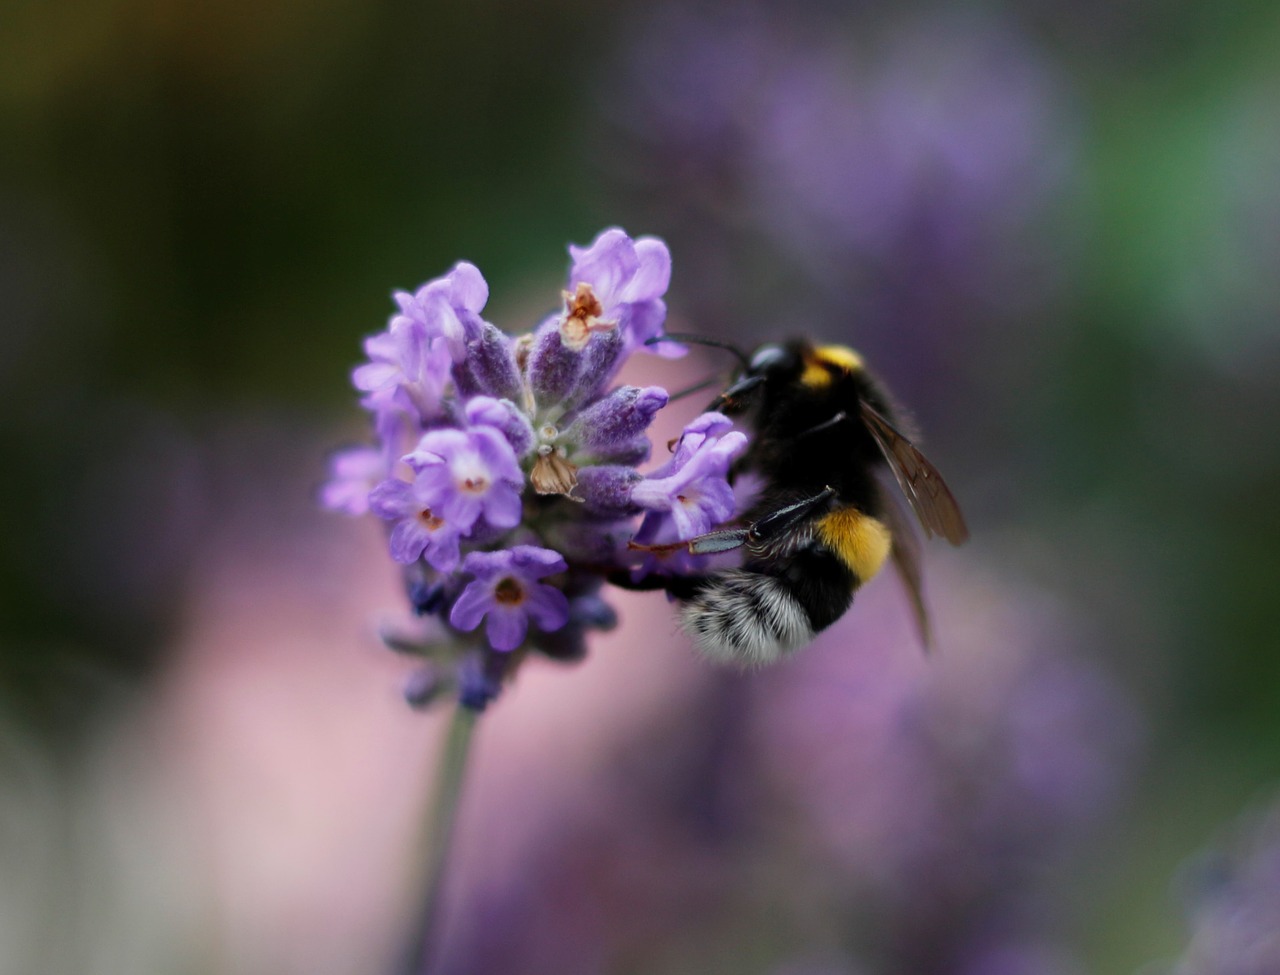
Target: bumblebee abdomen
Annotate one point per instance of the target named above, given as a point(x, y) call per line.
point(753, 617)
point(745, 617)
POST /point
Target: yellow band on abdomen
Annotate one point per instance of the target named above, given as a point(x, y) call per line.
point(857, 539)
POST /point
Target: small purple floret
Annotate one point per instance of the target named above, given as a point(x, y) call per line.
point(629, 279)
point(693, 487)
point(418, 529)
point(506, 591)
point(406, 372)
point(465, 474)
point(448, 307)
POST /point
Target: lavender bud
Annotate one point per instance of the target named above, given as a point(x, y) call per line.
point(632, 453)
point(422, 687)
point(478, 684)
point(607, 488)
point(600, 360)
point(492, 366)
point(426, 597)
point(617, 418)
point(553, 367)
point(592, 612)
point(505, 417)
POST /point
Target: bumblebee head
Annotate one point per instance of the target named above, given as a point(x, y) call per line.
point(793, 368)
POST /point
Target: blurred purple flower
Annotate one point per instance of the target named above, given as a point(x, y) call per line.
point(831, 169)
point(353, 473)
point(949, 788)
point(922, 815)
point(1234, 895)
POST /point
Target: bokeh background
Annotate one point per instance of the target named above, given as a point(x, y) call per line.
point(1053, 227)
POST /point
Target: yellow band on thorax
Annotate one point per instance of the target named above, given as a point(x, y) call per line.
point(822, 363)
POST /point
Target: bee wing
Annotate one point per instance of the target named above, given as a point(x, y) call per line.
point(920, 481)
point(906, 559)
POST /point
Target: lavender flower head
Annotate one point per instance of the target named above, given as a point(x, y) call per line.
point(505, 471)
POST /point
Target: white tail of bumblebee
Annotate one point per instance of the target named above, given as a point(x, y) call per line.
point(746, 618)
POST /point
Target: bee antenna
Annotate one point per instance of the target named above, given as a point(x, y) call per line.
point(702, 340)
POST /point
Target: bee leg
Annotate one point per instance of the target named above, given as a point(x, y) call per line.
point(724, 540)
point(785, 518)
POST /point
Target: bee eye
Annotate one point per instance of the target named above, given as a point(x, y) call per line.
point(766, 357)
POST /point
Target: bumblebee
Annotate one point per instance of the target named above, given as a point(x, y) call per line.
point(825, 435)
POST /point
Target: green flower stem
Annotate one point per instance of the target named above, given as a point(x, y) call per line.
point(437, 834)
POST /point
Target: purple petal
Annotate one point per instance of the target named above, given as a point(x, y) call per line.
point(458, 510)
point(470, 607)
point(548, 607)
point(727, 450)
point(506, 418)
point(717, 501)
point(442, 553)
point(607, 265)
point(411, 344)
point(436, 448)
point(408, 539)
point(502, 506)
point(383, 347)
point(352, 475)
point(709, 505)
point(486, 410)
point(433, 486)
point(449, 326)
point(655, 494)
point(496, 452)
point(507, 627)
point(644, 321)
point(374, 375)
point(653, 276)
point(534, 562)
point(709, 424)
point(393, 498)
point(469, 289)
point(488, 565)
